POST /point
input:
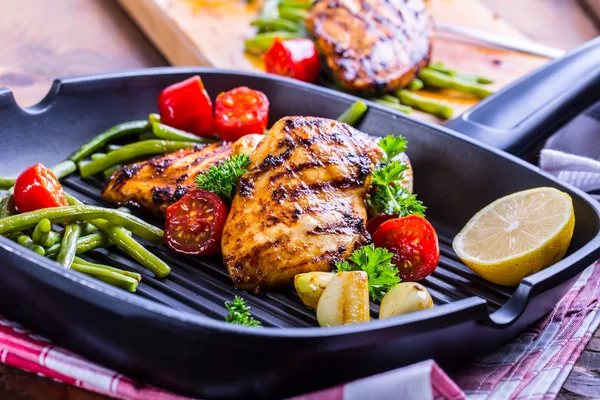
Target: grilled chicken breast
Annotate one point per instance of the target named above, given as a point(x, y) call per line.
point(161, 181)
point(300, 207)
point(372, 45)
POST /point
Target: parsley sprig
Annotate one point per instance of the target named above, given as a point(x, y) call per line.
point(239, 313)
point(222, 179)
point(387, 196)
point(376, 262)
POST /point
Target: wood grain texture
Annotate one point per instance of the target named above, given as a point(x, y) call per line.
point(41, 40)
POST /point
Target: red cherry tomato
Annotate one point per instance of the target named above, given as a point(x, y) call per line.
point(239, 112)
point(36, 188)
point(414, 243)
point(186, 105)
point(375, 222)
point(195, 223)
point(296, 58)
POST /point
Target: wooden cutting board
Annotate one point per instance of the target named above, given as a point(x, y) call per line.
point(211, 32)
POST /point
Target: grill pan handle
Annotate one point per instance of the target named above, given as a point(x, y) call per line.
point(520, 117)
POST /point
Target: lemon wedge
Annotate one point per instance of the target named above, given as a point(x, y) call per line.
point(517, 235)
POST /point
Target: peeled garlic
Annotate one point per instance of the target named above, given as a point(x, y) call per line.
point(404, 298)
point(345, 300)
point(310, 286)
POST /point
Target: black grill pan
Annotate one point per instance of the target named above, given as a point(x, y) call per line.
point(171, 333)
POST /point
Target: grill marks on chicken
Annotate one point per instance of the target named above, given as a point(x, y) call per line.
point(300, 207)
point(372, 45)
point(157, 183)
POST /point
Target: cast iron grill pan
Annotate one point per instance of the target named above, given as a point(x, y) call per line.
point(170, 333)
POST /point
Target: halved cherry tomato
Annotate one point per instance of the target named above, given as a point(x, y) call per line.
point(375, 222)
point(186, 105)
point(414, 243)
point(36, 188)
point(195, 223)
point(239, 112)
point(296, 58)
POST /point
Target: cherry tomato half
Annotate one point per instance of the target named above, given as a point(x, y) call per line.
point(239, 112)
point(195, 223)
point(375, 222)
point(414, 243)
point(186, 105)
point(36, 188)
point(296, 58)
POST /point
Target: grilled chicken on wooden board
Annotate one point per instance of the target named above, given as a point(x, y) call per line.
point(372, 45)
point(300, 207)
point(157, 183)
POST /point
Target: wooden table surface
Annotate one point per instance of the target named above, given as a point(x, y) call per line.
point(41, 40)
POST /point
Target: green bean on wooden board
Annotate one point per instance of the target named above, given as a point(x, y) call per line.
point(64, 169)
point(422, 103)
point(68, 245)
point(394, 106)
point(443, 81)
point(292, 14)
point(263, 41)
point(415, 84)
point(84, 244)
point(117, 131)
point(7, 204)
point(353, 113)
point(6, 183)
point(133, 275)
point(113, 278)
point(43, 227)
point(107, 173)
point(275, 24)
point(27, 242)
point(166, 132)
point(130, 151)
point(20, 222)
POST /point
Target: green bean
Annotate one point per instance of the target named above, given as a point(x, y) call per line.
point(43, 227)
point(166, 132)
point(124, 210)
point(416, 84)
point(292, 14)
point(112, 147)
point(394, 106)
point(6, 183)
point(7, 204)
point(439, 80)
point(27, 242)
point(64, 169)
point(20, 222)
point(51, 238)
point(105, 275)
point(117, 131)
point(353, 113)
point(440, 67)
point(133, 275)
point(153, 118)
point(146, 136)
point(97, 156)
point(390, 98)
point(84, 244)
point(275, 24)
point(263, 41)
point(430, 106)
point(107, 173)
point(125, 153)
point(68, 245)
point(304, 4)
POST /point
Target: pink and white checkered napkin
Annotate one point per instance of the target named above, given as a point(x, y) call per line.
point(532, 367)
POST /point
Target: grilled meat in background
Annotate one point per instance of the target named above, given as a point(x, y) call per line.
point(161, 181)
point(372, 46)
point(300, 207)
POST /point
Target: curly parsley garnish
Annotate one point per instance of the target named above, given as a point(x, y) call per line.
point(222, 179)
point(387, 196)
point(239, 313)
point(376, 262)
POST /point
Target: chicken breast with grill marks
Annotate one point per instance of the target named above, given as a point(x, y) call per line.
point(372, 45)
point(300, 207)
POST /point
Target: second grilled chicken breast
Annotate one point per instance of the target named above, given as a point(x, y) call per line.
point(300, 207)
point(372, 45)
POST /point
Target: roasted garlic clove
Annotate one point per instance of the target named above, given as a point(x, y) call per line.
point(345, 300)
point(310, 286)
point(404, 298)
